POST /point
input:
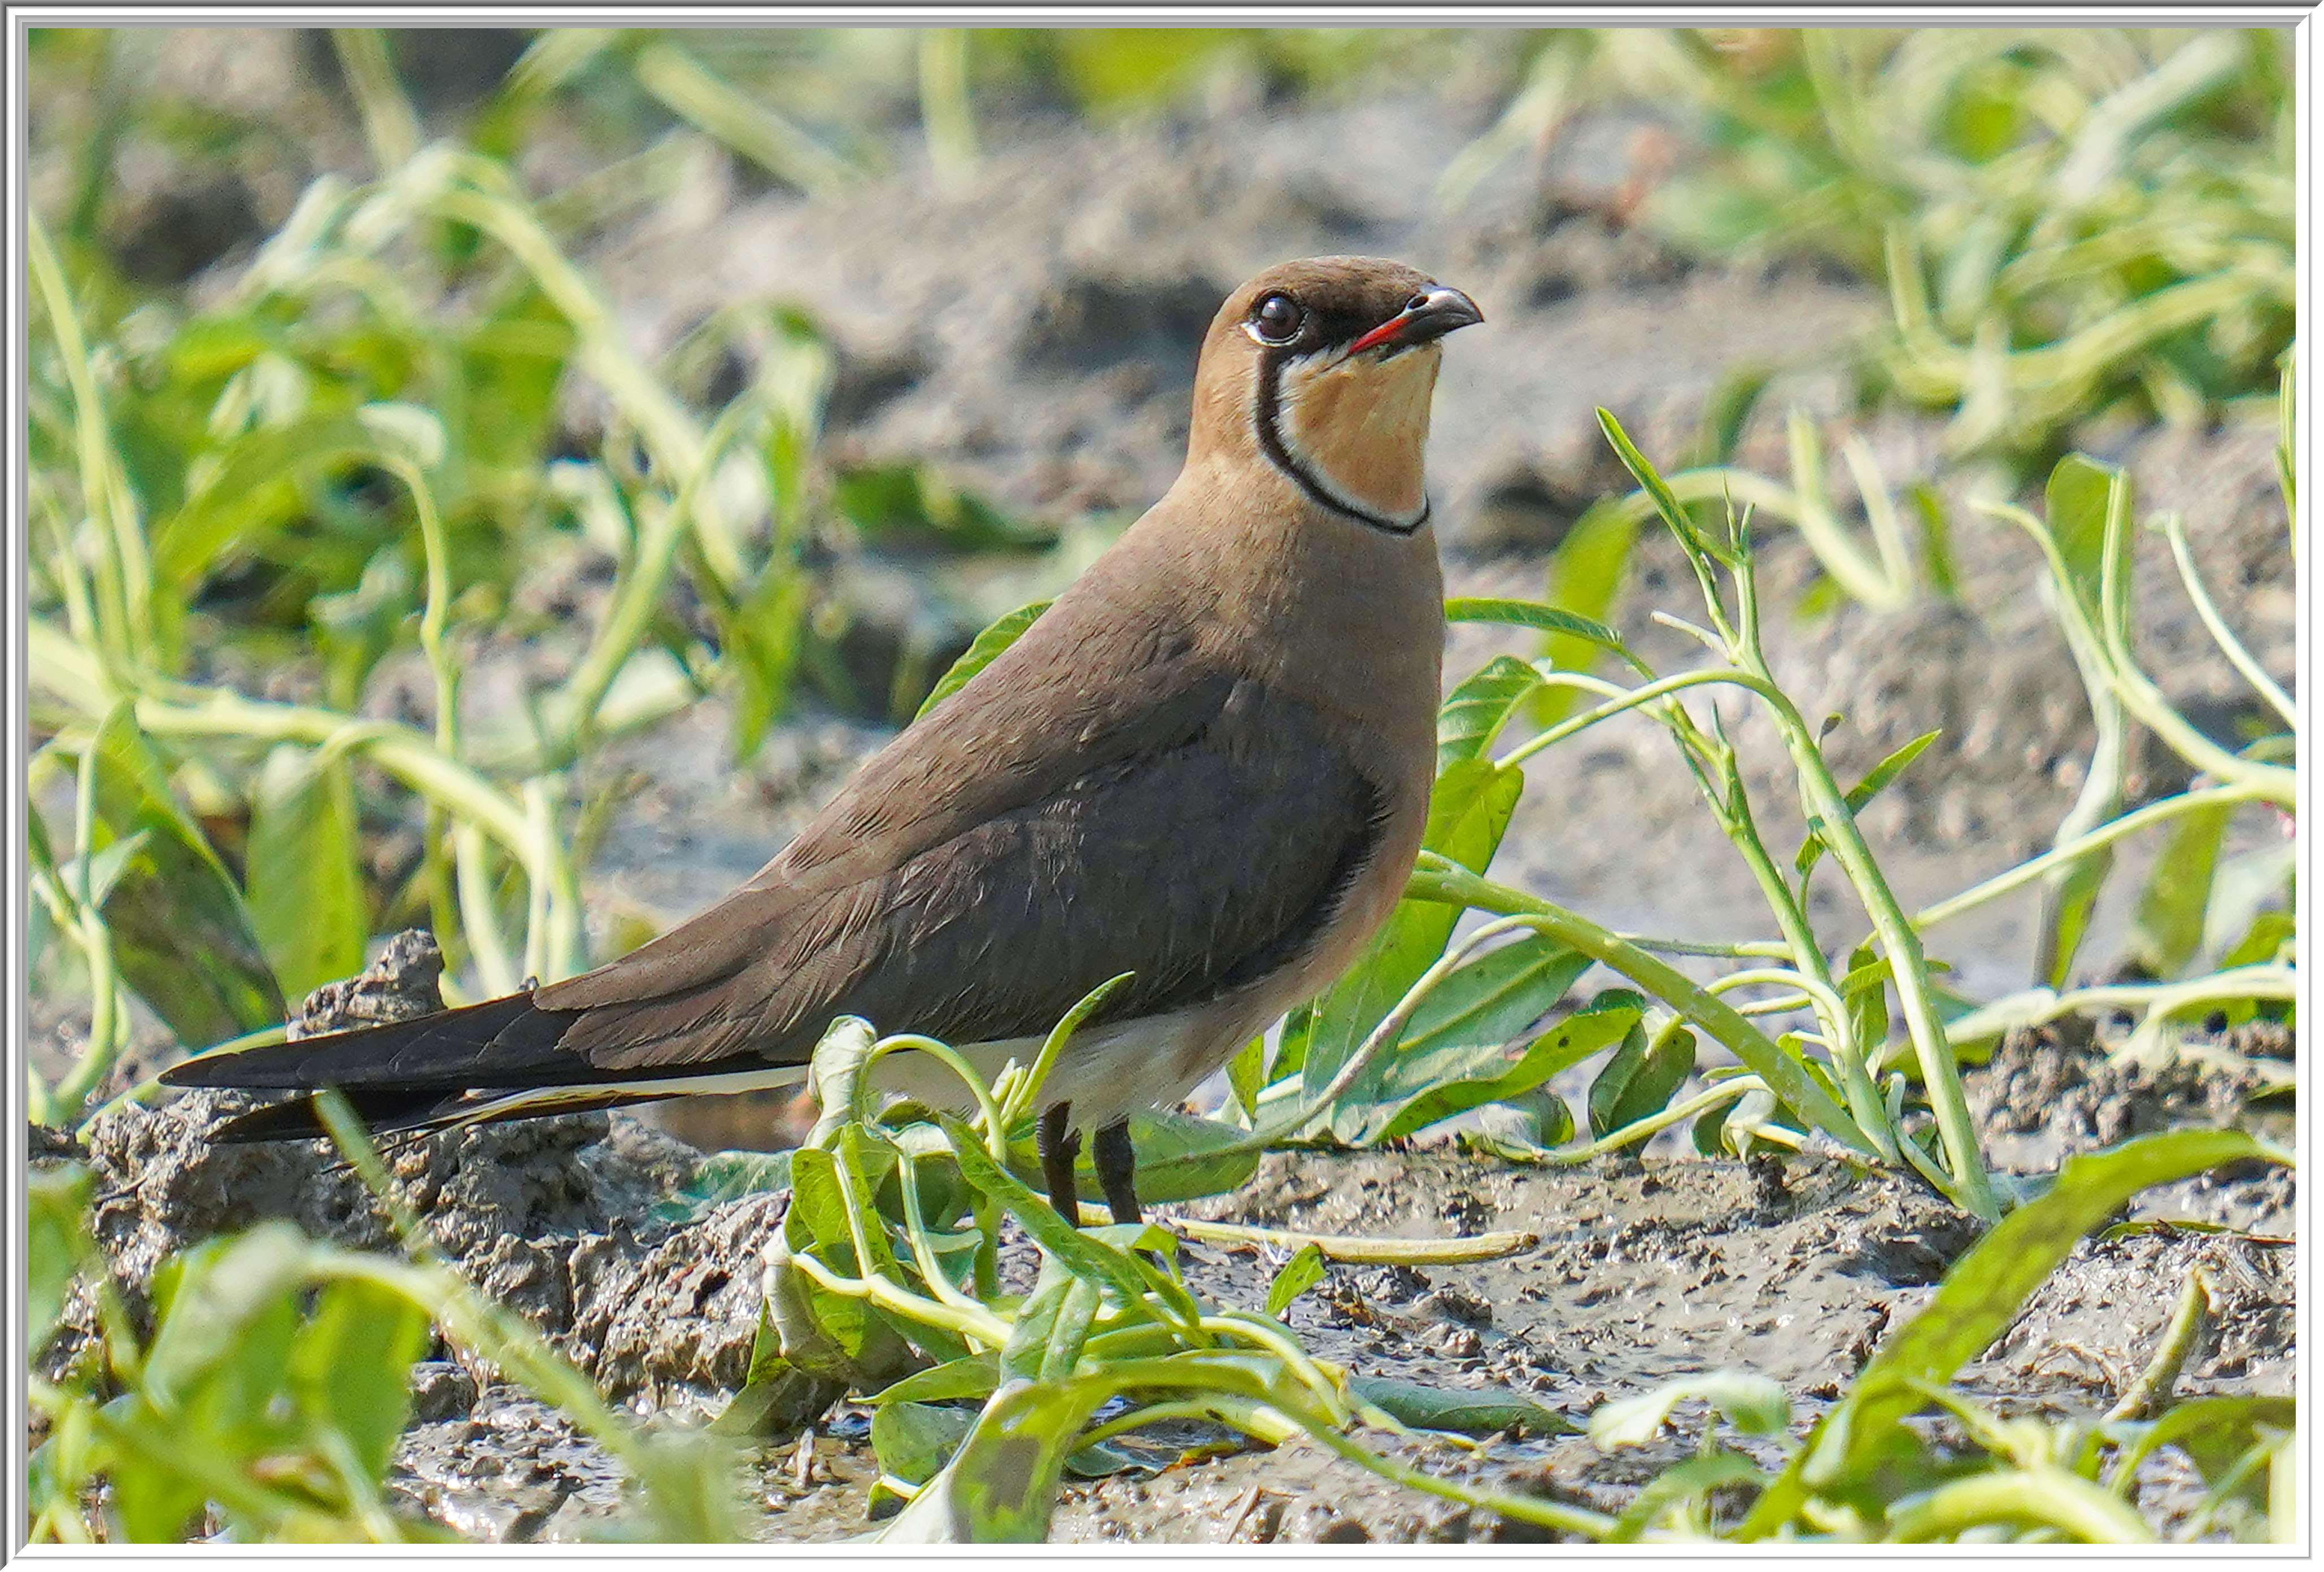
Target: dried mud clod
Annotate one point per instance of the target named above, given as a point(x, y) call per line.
point(553, 1216)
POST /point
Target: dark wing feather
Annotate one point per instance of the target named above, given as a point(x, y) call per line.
point(1197, 867)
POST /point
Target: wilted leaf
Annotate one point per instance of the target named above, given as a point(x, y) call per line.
point(1474, 1413)
point(1754, 1404)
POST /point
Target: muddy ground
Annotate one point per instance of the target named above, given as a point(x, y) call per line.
point(1031, 333)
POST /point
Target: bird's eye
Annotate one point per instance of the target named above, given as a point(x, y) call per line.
point(1277, 320)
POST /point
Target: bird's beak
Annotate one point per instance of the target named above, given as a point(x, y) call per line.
point(1427, 316)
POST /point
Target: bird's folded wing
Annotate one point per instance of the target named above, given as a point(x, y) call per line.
point(1199, 863)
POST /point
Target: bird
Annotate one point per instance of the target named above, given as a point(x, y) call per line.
point(1206, 765)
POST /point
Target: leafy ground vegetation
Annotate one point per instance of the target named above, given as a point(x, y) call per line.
point(364, 538)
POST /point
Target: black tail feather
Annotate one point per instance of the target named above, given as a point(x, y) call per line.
point(503, 1042)
point(402, 1114)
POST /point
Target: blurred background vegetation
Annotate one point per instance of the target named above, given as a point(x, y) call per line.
point(327, 409)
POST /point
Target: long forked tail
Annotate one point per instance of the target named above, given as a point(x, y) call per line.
point(495, 1060)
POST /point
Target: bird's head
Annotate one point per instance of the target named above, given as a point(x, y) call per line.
point(1322, 369)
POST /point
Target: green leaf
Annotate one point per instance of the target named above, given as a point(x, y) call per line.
point(2265, 939)
point(305, 886)
point(913, 1440)
point(1687, 1483)
point(911, 505)
point(1585, 578)
point(2215, 1432)
point(982, 652)
point(1468, 814)
point(221, 1289)
point(351, 1367)
point(56, 1207)
point(1001, 1484)
point(724, 1176)
point(1863, 792)
point(972, 1377)
point(1752, 1403)
point(1462, 1034)
point(2075, 504)
point(1247, 1077)
point(1637, 1081)
point(1473, 1413)
point(182, 936)
point(1303, 1272)
point(1560, 1048)
point(1976, 1302)
point(253, 491)
point(2167, 927)
point(1534, 614)
point(1865, 993)
point(1183, 1158)
point(1666, 503)
point(1077, 1252)
point(2067, 905)
point(1936, 540)
point(763, 638)
point(1475, 712)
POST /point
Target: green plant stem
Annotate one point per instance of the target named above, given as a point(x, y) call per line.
point(2170, 1352)
point(742, 122)
point(669, 432)
point(637, 596)
point(2156, 1001)
point(126, 571)
point(1630, 1134)
point(389, 126)
point(2044, 1495)
point(1458, 887)
point(945, 112)
point(1807, 958)
point(2175, 532)
point(428, 1281)
point(108, 1022)
point(1359, 1248)
point(2083, 846)
point(2124, 679)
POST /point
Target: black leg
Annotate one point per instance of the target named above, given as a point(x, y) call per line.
point(1060, 1146)
point(1117, 1171)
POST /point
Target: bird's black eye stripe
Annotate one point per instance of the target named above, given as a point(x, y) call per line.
point(1276, 319)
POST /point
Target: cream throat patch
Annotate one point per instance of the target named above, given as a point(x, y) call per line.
point(1355, 428)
